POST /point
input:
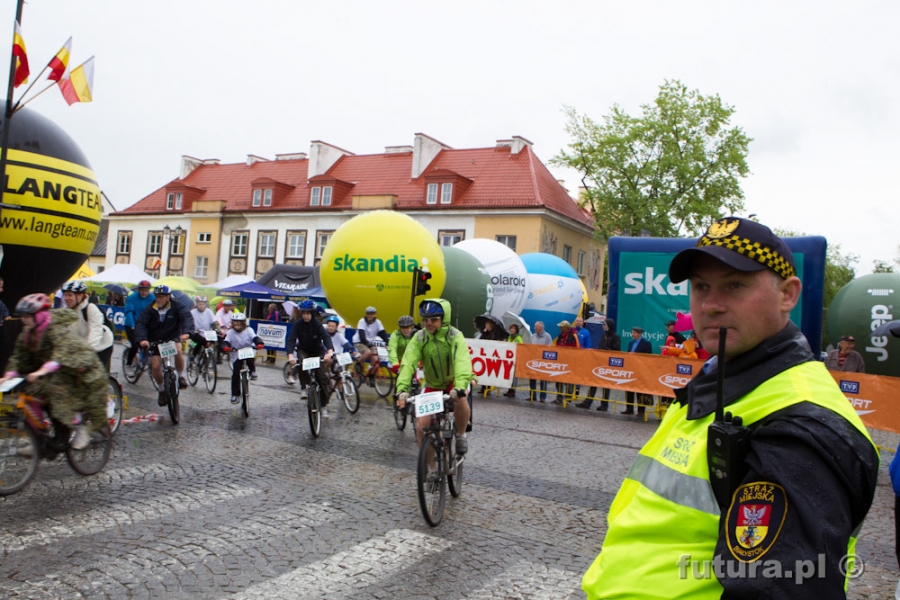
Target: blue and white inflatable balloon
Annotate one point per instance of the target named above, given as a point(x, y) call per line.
point(553, 293)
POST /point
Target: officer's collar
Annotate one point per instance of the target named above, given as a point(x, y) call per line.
point(785, 349)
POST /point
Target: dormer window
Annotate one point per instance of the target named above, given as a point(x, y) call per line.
point(174, 201)
point(446, 193)
point(441, 185)
point(431, 198)
point(320, 195)
point(262, 197)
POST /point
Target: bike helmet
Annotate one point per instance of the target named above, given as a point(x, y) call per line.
point(430, 308)
point(200, 299)
point(33, 303)
point(308, 305)
point(333, 319)
point(144, 284)
point(238, 316)
point(75, 286)
point(228, 302)
point(162, 289)
point(405, 321)
point(370, 310)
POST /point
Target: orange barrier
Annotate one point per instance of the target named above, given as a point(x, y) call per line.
point(875, 397)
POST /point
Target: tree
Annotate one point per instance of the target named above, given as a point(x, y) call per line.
point(881, 266)
point(669, 172)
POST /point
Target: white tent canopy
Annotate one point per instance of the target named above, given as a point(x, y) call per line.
point(230, 281)
point(121, 273)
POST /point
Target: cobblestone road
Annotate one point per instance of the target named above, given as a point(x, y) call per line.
point(219, 506)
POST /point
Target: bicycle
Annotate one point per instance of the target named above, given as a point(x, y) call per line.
point(139, 364)
point(204, 364)
point(114, 405)
point(29, 433)
point(243, 354)
point(415, 388)
point(313, 395)
point(382, 379)
point(291, 371)
point(167, 351)
point(341, 382)
point(439, 438)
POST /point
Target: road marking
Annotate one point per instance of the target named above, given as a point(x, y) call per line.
point(352, 570)
point(531, 580)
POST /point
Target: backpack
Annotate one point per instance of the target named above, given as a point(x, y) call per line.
point(107, 322)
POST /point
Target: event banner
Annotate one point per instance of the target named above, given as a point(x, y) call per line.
point(494, 363)
point(273, 335)
point(874, 397)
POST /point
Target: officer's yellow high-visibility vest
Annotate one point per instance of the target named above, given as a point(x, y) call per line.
point(666, 508)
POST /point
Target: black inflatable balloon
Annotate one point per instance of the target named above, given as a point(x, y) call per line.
point(56, 219)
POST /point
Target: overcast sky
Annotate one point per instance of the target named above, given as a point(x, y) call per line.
point(815, 84)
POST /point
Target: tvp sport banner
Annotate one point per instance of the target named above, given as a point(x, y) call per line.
point(641, 293)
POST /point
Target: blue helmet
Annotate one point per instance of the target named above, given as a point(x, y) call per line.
point(333, 319)
point(162, 289)
point(76, 287)
point(430, 308)
point(308, 305)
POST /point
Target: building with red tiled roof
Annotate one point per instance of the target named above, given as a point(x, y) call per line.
point(243, 218)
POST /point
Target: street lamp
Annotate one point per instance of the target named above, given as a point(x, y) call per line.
point(167, 234)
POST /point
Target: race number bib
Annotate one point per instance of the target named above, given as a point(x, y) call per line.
point(168, 349)
point(429, 404)
point(311, 363)
point(382, 353)
point(245, 353)
point(344, 359)
point(210, 336)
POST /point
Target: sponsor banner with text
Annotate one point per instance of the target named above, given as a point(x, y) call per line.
point(273, 334)
point(493, 363)
point(875, 398)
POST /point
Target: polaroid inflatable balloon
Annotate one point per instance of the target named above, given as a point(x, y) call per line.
point(508, 274)
point(554, 291)
point(369, 261)
point(54, 224)
point(468, 288)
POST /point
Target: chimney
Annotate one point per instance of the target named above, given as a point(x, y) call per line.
point(322, 157)
point(518, 142)
point(562, 184)
point(425, 148)
point(397, 149)
point(291, 156)
point(252, 158)
point(188, 164)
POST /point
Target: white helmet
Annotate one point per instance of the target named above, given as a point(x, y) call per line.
point(238, 316)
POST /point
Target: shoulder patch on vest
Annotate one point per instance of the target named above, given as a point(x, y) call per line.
point(453, 332)
point(755, 519)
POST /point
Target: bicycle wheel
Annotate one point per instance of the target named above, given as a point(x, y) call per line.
point(193, 369)
point(384, 381)
point(93, 458)
point(400, 416)
point(432, 494)
point(133, 371)
point(313, 408)
point(454, 468)
point(171, 387)
point(114, 405)
point(349, 394)
point(288, 372)
point(210, 372)
point(19, 455)
point(245, 393)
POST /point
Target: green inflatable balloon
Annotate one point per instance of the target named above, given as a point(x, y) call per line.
point(861, 306)
point(468, 288)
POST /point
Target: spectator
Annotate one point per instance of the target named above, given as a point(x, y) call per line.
point(488, 329)
point(584, 341)
point(610, 342)
point(515, 338)
point(566, 337)
point(845, 358)
point(638, 344)
point(670, 330)
point(541, 338)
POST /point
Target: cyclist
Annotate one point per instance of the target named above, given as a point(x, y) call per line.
point(308, 338)
point(223, 316)
point(240, 336)
point(444, 354)
point(134, 306)
point(204, 320)
point(165, 320)
point(399, 340)
point(91, 326)
point(368, 328)
point(338, 341)
point(59, 366)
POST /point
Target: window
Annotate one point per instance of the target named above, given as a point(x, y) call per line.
point(124, 245)
point(567, 254)
point(178, 199)
point(314, 196)
point(322, 238)
point(204, 238)
point(267, 198)
point(448, 238)
point(296, 244)
point(173, 200)
point(200, 266)
point(177, 245)
point(326, 196)
point(266, 244)
point(446, 193)
point(431, 198)
point(257, 197)
point(154, 243)
point(508, 241)
point(580, 267)
point(239, 243)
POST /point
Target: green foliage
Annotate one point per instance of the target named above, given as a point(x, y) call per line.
point(669, 172)
point(881, 266)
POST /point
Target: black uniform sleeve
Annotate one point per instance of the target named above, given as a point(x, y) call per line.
point(292, 338)
point(362, 336)
point(616, 344)
point(828, 471)
point(384, 335)
point(186, 318)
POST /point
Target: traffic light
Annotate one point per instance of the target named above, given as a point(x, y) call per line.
point(422, 285)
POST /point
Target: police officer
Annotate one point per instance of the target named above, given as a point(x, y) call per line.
point(809, 470)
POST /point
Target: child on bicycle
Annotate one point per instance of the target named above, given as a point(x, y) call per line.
point(338, 341)
point(307, 339)
point(399, 340)
point(240, 336)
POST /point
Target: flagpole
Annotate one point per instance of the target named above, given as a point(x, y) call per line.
point(21, 104)
point(4, 141)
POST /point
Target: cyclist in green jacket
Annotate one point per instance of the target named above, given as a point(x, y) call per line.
point(444, 354)
point(399, 340)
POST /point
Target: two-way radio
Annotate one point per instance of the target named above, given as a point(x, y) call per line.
point(728, 441)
